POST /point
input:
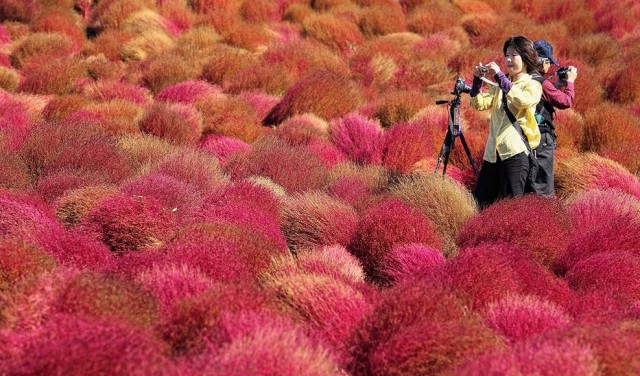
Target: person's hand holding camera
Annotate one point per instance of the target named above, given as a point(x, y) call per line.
point(494, 68)
point(572, 73)
point(480, 71)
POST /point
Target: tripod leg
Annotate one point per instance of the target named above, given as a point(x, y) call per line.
point(468, 152)
point(445, 150)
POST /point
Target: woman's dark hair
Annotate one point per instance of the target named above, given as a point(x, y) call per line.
point(524, 48)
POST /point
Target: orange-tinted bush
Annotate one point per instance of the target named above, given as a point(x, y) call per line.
point(257, 11)
point(335, 32)
point(110, 42)
point(625, 88)
point(302, 56)
point(150, 43)
point(405, 145)
point(252, 37)
point(446, 203)
point(48, 45)
point(225, 61)
point(74, 205)
point(268, 78)
point(293, 168)
point(570, 129)
point(230, 116)
point(380, 20)
point(60, 20)
point(140, 151)
point(115, 117)
point(16, 10)
point(175, 122)
point(101, 296)
point(594, 49)
point(166, 70)
point(608, 127)
point(322, 93)
point(44, 75)
point(399, 106)
point(112, 14)
point(9, 79)
point(62, 105)
point(433, 16)
point(585, 171)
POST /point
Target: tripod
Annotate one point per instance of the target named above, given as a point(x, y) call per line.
point(454, 131)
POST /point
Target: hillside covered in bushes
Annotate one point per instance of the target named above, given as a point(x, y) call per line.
point(247, 187)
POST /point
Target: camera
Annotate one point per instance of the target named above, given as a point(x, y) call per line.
point(562, 73)
point(460, 87)
point(484, 69)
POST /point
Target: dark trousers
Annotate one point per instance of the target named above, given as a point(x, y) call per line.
point(505, 178)
point(544, 180)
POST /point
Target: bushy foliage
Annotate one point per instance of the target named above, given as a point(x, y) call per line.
point(72, 345)
point(399, 106)
point(44, 75)
point(519, 318)
point(130, 223)
point(49, 45)
point(323, 93)
point(413, 260)
point(446, 203)
point(491, 271)
point(588, 171)
point(337, 33)
point(230, 116)
point(315, 219)
point(405, 145)
point(390, 338)
point(293, 168)
point(361, 139)
point(177, 123)
point(384, 225)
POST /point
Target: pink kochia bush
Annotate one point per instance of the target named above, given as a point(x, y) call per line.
point(223, 251)
point(223, 147)
point(204, 322)
point(491, 271)
point(264, 344)
point(130, 223)
point(14, 122)
point(188, 92)
point(405, 145)
point(382, 226)
point(536, 224)
point(519, 317)
point(177, 123)
point(603, 221)
point(73, 345)
point(293, 168)
point(539, 356)
point(176, 196)
point(247, 205)
point(419, 327)
point(314, 218)
point(359, 138)
point(413, 260)
point(610, 273)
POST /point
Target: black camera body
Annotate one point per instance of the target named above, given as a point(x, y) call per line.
point(562, 73)
point(460, 87)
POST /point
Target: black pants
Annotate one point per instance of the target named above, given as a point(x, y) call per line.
point(501, 179)
point(544, 180)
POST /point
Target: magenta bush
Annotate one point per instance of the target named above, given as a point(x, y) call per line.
point(521, 317)
point(384, 225)
point(536, 224)
point(223, 147)
point(608, 272)
point(491, 271)
point(188, 92)
point(130, 223)
point(72, 345)
point(176, 196)
point(405, 145)
point(361, 139)
point(413, 260)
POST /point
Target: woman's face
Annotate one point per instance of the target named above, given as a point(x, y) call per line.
point(514, 63)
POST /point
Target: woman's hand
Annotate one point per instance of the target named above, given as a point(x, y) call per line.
point(480, 71)
point(494, 68)
point(572, 73)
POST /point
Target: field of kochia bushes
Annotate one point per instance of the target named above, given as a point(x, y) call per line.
point(151, 224)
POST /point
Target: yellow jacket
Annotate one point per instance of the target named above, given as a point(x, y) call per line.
point(503, 137)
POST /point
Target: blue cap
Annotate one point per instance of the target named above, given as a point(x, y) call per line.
point(545, 50)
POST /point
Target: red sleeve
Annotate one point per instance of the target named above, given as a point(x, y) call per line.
point(558, 98)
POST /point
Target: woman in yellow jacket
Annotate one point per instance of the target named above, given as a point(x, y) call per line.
point(506, 162)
